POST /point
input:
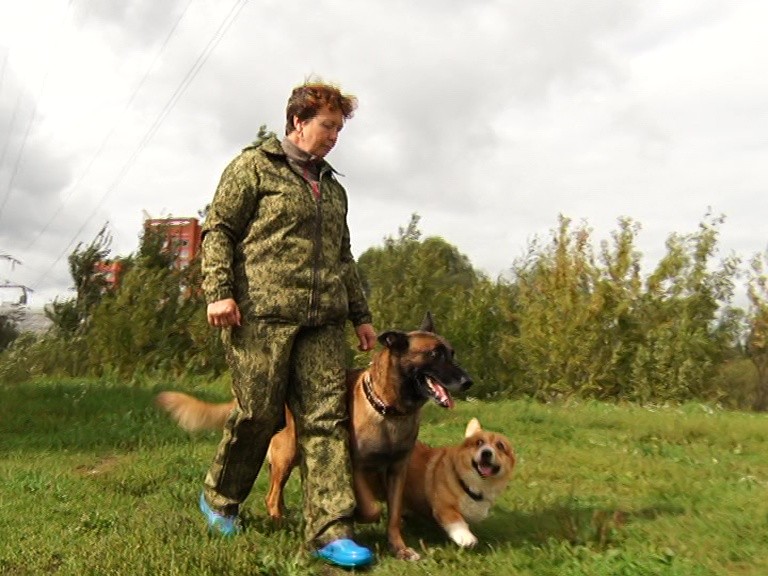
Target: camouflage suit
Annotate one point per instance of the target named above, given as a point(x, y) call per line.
point(284, 255)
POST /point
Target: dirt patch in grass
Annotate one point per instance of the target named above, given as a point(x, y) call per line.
point(101, 466)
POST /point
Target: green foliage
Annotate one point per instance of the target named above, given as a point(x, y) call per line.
point(475, 325)
point(409, 276)
point(33, 356)
point(572, 320)
point(262, 135)
point(736, 382)
point(154, 250)
point(588, 326)
point(64, 316)
point(575, 313)
point(135, 328)
point(89, 284)
point(155, 322)
point(8, 330)
point(688, 323)
point(757, 341)
point(69, 318)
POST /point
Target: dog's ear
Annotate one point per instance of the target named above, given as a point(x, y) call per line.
point(427, 325)
point(473, 428)
point(394, 340)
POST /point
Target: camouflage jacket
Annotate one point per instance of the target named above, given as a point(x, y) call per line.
point(280, 253)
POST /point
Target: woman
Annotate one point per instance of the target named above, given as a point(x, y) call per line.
point(280, 279)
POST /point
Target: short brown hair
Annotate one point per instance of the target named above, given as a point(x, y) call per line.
point(307, 100)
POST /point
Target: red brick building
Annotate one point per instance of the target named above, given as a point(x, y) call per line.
point(111, 270)
point(182, 235)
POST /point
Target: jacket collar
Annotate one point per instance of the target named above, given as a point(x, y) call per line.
point(273, 147)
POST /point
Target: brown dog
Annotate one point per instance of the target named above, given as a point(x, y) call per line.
point(458, 484)
point(384, 401)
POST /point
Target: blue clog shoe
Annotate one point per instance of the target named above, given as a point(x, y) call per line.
point(346, 553)
point(224, 525)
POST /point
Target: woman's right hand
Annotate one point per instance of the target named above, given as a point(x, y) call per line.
point(223, 313)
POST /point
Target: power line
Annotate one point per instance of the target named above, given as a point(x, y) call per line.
point(16, 165)
point(25, 290)
point(183, 85)
point(5, 66)
point(106, 139)
point(9, 129)
point(11, 123)
point(10, 259)
point(31, 122)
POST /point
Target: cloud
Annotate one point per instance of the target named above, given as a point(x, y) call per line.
point(32, 170)
point(487, 118)
point(129, 25)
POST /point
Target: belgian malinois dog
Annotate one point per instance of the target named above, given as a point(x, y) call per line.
point(384, 401)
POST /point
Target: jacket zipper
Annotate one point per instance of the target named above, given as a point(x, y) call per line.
point(314, 300)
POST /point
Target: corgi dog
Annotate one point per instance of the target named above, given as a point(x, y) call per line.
point(457, 485)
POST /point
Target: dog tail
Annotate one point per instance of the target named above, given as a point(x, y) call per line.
point(192, 414)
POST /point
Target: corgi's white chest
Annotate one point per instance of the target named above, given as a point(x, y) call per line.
point(474, 510)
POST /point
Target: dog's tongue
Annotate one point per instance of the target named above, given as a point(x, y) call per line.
point(440, 394)
point(485, 470)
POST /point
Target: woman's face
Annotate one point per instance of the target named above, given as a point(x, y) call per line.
point(318, 134)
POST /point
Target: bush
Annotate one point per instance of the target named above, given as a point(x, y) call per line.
point(8, 331)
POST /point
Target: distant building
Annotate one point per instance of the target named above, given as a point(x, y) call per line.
point(14, 294)
point(111, 271)
point(182, 236)
point(26, 319)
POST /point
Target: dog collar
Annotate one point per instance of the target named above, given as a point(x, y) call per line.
point(377, 403)
point(474, 495)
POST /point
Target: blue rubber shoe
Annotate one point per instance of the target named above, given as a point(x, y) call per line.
point(346, 553)
point(224, 525)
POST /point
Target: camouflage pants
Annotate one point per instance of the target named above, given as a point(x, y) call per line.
point(274, 364)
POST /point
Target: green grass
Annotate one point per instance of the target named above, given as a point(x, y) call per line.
point(95, 480)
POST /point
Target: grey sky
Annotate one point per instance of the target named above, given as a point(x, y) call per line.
point(487, 118)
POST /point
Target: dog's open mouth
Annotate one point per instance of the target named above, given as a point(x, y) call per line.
point(485, 470)
point(438, 392)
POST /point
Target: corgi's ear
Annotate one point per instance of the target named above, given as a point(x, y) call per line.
point(473, 428)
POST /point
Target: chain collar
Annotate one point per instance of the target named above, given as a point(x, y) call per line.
point(377, 403)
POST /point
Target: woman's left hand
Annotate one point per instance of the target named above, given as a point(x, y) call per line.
point(366, 336)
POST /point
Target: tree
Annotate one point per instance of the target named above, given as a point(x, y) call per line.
point(262, 135)
point(72, 316)
point(8, 329)
point(409, 276)
point(685, 318)
point(587, 325)
point(571, 316)
point(155, 321)
point(757, 340)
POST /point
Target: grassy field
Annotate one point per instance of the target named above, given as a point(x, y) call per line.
point(94, 480)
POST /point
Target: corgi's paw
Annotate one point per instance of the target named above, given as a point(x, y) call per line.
point(459, 533)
